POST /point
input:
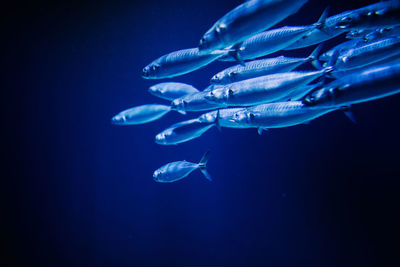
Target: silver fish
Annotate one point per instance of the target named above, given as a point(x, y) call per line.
point(182, 132)
point(369, 84)
point(278, 115)
point(221, 117)
point(245, 20)
point(179, 63)
point(261, 67)
point(172, 90)
point(178, 170)
point(382, 14)
point(368, 53)
point(271, 41)
point(140, 114)
point(194, 102)
point(263, 89)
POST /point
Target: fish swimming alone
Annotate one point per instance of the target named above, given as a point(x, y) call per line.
point(171, 90)
point(178, 170)
point(256, 68)
point(178, 63)
point(245, 20)
point(368, 84)
point(182, 132)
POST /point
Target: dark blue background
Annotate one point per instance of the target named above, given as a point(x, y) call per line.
point(79, 191)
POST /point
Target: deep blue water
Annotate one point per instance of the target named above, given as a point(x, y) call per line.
point(79, 191)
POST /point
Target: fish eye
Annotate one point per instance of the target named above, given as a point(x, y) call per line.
point(230, 92)
point(252, 116)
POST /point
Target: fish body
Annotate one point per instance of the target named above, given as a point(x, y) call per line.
point(171, 90)
point(178, 170)
point(245, 20)
point(368, 53)
point(262, 89)
point(366, 85)
point(178, 63)
point(268, 42)
point(382, 14)
point(183, 132)
point(278, 115)
point(140, 114)
point(194, 102)
point(261, 67)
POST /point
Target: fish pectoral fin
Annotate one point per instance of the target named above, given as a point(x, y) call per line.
point(181, 111)
point(260, 130)
point(349, 114)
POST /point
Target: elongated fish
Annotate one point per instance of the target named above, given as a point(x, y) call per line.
point(141, 114)
point(183, 132)
point(369, 84)
point(194, 102)
point(263, 89)
point(171, 90)
point(271, 41)
point(261, 67)
point(245, 20)
point(382, 14)
point(332, 26)
point(178, 170)
point(221, 118)
point(368, 53)
point(278, 115)
point(179, 63)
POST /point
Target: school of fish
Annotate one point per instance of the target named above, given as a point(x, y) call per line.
point(268, 93)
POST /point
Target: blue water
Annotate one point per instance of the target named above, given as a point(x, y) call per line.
point(81, 190)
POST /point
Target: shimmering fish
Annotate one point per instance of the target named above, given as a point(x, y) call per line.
point(382, 14)
point(221, 118)
point(172, 90)
point(141, 114)
point(368, 53)
point(278, 115)
point(261, 67)
point(178, 170)
point(183, 132)
point(263, 89)
point(271, 41)
point(179, 63)
point(369, 84)
point(245, 20)
point(194, 102)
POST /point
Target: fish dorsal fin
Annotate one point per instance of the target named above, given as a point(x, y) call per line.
point(320, 24)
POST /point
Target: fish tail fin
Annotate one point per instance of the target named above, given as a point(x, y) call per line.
point(320, 24)
point(313, 57)
point(203, 166)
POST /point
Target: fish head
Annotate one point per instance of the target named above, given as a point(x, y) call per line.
point(178, 104)
point(243, 117)
point(217, 78)
point(349, 21)
point(323, 97)
point(157, 89)
point(211, 40)
point(151, 70)
point(219, 95)
point(157, 175)
point(118, 119)
point(160, 138)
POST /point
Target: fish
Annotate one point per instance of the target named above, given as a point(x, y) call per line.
point(344, 46)
point(141, 114)
point(221, 117)
point(263, 89)
point(245, 20)
point(368, 53)
point(382, 14)
point(171, 90)
point(179, 62)
point(262, 67)
point(183, 131)
point(332, 26)
point(271, 41)
point(195, 102)
point(278, 115)
point(367, 85)
point(175, 171)
point(381, 33)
